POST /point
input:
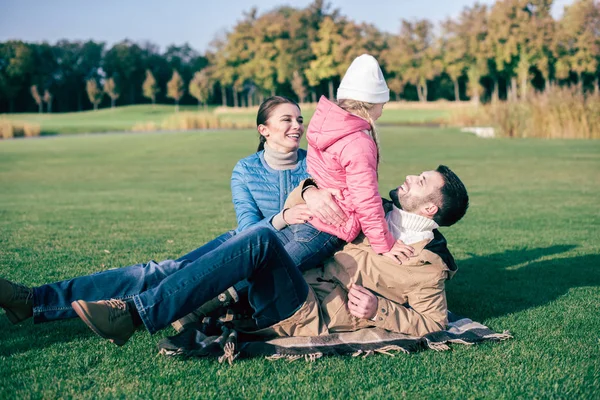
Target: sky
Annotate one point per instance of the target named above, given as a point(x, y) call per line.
point(197, 22)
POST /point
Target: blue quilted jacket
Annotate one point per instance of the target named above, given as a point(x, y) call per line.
point(259, 191)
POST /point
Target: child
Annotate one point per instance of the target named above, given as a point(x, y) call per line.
point(343, 153)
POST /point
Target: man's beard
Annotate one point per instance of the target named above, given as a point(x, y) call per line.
point(394, 197)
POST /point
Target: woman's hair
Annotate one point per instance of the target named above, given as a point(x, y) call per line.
point(264, 113)
point(362, 108)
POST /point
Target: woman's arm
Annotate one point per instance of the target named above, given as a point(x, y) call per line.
point(246, 209)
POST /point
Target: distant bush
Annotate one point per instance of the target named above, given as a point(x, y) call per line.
point(192, 121)
point(557, 113)
point(13, 129)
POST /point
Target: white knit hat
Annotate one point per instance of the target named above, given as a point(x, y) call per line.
point(364, 81)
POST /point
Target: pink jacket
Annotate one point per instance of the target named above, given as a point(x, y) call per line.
point(343, 156)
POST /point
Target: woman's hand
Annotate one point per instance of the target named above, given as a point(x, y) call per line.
point(361, 302)
point(298, 214)
point(400, 252)
point(321, 204)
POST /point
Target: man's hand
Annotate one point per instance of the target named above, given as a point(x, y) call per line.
point(361, 302)
point(321, 204)
point(298, 214)
point(400, 252)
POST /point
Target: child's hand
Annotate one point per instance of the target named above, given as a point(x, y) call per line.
point(400, 252)
point(297, 215)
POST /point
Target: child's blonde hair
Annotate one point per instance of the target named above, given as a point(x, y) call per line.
point(362, 108)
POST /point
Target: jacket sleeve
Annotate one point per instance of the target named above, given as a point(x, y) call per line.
point(295, 196)
point(246, 209)
point(359, 160)
point(427, 313)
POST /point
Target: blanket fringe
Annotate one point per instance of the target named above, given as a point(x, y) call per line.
point(229, 354)
point(290, 357)
point(438, 346)
point(312, 357)
point(170, 353)
point(386, 350)
point(499, 336)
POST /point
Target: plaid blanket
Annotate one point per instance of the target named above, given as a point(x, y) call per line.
point(219, 339)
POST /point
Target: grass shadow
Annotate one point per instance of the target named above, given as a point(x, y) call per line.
point(515, 280)
point(25, 337)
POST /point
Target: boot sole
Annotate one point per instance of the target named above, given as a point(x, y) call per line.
point(86, 318)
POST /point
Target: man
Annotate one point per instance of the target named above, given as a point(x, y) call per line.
point(282, 300)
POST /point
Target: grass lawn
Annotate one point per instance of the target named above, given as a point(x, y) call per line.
point(528, 255)
point(124, 118)
point(102, 120)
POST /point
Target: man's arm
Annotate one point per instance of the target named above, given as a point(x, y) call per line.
point(427, 313)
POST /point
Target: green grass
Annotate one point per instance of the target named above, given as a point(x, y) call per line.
point(528, 256)
point(124, 118)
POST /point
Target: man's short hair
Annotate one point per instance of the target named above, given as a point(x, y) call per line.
point(454, 200)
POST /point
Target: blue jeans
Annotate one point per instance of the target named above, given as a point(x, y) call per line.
point(276, 286)
point(306, 247)
point(53, 301)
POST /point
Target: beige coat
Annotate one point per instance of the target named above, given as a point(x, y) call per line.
point(411, 297)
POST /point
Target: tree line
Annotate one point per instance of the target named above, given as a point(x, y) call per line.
point(487, 53)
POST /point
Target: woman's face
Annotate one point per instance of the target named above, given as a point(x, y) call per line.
point(284, 128)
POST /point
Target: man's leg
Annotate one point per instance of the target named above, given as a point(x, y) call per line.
point(255, 255)
point(53, 301)
point(210, 246)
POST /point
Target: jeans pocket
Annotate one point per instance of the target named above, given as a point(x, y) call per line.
point(304, 233)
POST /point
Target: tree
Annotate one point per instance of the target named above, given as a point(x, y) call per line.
point(76, 63)
point(199, 87)
point(150, 87)
point(519, 34)
point(473, 29)
point(94, 93)
point(36, 96)
point(48, 100)
point(111, 89)
point(414, 56)
point(299, 87)
point(17, 66)
point(454, 53)
point(396, 86)
point(175, 88)
point(578, 41)
point(124, 61)
point(324, 66)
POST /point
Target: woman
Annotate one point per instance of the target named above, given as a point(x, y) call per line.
point(259, 184)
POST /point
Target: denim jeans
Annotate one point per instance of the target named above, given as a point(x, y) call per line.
point(303, 245)
point(276, 286)
point(307, 246)
point(53, 301)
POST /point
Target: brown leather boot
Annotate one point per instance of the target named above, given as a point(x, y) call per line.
point(226, 298)
point(110, 319)
point(16, 300)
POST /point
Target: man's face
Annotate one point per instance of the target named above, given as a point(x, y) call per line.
point(418, 192)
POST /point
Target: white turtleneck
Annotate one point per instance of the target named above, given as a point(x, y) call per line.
point(409, 227)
